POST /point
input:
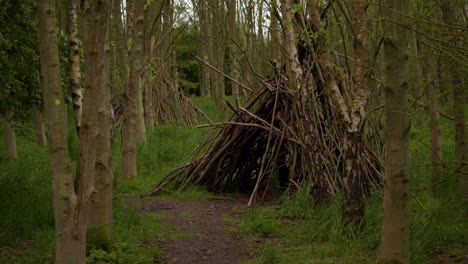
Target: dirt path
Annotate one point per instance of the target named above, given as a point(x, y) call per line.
point(201, 231)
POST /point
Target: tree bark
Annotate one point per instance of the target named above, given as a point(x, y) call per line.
point(353, 210)
point(293, 65)
point(459, 102)
point(148, 51)
point(418, 80)
point(216, 53)
point(234, 63)
point(131, 94)
point(10, 138)
point(97, 64)
point(218, 17)
point(275, 38)
point(205, 86)
point(39, 127)
point(120, 44)
point(75, 73)
point(70, 239)
point(395, 228)
point(436, 147)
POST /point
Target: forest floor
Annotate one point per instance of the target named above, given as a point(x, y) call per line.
point(202, 231)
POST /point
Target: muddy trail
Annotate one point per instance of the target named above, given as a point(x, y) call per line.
point(201, 231)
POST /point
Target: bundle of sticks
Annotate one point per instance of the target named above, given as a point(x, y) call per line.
point(278, 128)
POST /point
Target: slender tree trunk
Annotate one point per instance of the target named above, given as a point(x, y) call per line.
point(459, 102)
point(435, 124)
point(148, 50)
point(121, 47)
point(69, 238)
point(418, 80)
point(210, 43)
point(275, 38)
point(293, 65)
point(205, 87)
point(137, 39)
point(217, 54)
point(39, 127)
point(131, 94)
point(218, 17)
point(234, 63)
point(260, 47)
point(395, 230)
point(10, 138)
point(353, 211)
point(249, 39)
point(97, 76)
point(140, 122)
point(75, 74)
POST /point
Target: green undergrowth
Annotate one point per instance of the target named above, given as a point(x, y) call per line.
point(260, 221)
point(308, 233)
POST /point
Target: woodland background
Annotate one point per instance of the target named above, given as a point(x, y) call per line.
point(130, 89)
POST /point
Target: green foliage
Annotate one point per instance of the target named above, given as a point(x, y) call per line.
point(19, 61)
point(187, 45)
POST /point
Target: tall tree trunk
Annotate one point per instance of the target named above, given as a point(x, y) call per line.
point(260, 47)
point(75, 74)
point(353, 210)
point(69, 238)
point(205, 87)
point(275, 38)
point(148, 51)
point(418, 79)
point(459, 102)
point(217, 53)
point(10, 138)
point(234, 63)
point(395, 230)
point(218, 17)
point(293, 66)
point(97, 78)
point(436, 147)
point(140, 122)
point(131, 94)
point(120, 43)
point(39, 127)
point(249, 39)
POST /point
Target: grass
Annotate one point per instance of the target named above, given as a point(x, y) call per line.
point(260, 221)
